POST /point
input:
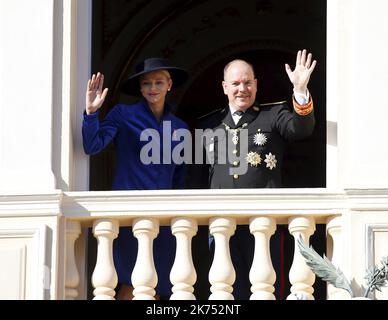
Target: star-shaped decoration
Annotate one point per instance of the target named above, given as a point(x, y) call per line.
point(270, 160)
point(253, 159)
point(260, 139)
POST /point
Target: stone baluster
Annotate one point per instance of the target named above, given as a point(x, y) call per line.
point(301, 276)
point(334, 250)
point(72, 279)
point(222, 274)
point(262, 274)
point(183, 275)
point(144, 277)
point(104, 278)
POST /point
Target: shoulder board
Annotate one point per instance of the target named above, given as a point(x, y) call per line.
point(210, 113)
point(273, 103)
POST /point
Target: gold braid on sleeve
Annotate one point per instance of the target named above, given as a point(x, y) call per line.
point(303, 110)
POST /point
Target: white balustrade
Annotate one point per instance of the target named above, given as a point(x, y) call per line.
point(72, 278)
point(144, 277)
point(301, 276)
point(183, 275)
point(222, 274)
point(104, 278)
point(334, 229)
point(262, 274)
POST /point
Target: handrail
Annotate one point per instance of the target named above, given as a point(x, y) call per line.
point(240, 204)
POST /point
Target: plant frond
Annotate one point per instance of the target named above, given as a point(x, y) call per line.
point(323, 267)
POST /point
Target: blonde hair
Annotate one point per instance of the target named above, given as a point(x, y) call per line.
point(165, 72)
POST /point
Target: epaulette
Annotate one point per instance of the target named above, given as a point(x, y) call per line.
point(210, 113)
point(272, 103)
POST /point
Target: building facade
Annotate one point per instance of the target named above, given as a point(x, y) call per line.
point(47, 53)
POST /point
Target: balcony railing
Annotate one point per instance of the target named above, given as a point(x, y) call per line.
point(184, 210)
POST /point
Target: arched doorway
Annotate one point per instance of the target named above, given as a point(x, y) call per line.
point(202, 36)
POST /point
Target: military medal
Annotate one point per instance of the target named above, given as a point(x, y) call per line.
point(270, 160)
point(260, 139)
point(235, 136)
point(253, 159)
point(235, 132)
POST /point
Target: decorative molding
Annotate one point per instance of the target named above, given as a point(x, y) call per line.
point(281, 45)
point(15, 255)
point(171, 203)
point(369, 241)
point(367, 199)
point(40, 272)
point(115, 17)
point(30, 205)
point(371, 229)
point(207, 22)
point(203, 203)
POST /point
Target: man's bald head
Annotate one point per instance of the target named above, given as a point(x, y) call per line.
point(240, 84)
point(238, 62)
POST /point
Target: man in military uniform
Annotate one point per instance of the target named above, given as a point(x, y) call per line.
point(267, 128)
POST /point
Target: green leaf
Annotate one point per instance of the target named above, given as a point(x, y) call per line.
point(323, 267)
point(376, 277)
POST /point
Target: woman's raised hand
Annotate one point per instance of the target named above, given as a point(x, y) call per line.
point(94, 95)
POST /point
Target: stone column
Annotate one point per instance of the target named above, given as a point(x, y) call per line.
point(104, 278)
point(222, 274)
point(301, 276)
point(262, 274)
point(144, 277)
point(72, 278)
point(183, 275)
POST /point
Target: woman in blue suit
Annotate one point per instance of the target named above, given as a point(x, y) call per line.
point(124, 124)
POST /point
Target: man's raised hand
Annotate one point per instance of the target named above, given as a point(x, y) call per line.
point(304, 67)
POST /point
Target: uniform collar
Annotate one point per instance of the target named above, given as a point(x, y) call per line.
point(249, 115)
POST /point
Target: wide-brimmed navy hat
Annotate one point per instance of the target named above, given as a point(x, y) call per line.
point(131, 86)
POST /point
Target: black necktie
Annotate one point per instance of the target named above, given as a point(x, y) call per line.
point(238, 113)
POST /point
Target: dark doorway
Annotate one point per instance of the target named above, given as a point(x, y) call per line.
point(304, 161)
point(202, 36)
